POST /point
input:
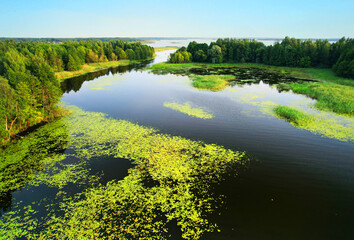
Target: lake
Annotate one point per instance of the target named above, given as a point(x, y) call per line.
point(296, 185)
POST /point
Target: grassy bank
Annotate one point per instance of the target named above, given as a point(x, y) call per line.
point(160, 49)
point(330, 96)
point(318, 74)
point(91, 67)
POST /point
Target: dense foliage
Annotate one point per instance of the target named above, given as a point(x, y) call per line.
point(29, 89)
point(181, 56)
point(289, 52)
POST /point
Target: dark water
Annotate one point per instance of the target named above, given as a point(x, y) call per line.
point(299, 185)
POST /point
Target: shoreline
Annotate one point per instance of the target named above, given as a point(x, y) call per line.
point(94, 67)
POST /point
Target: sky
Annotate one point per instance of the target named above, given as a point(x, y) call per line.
point(193, 18)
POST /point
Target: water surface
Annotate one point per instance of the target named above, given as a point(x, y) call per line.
point(298, 185)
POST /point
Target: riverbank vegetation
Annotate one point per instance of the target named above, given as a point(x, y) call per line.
point(330, 96)
point(332, 92)
point(29, 87)
point(289, 52)
point(92, 67)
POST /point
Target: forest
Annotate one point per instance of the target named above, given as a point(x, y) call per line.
point(289, 52)
point(29, 89)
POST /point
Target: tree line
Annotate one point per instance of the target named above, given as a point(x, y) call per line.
point(289, 52)
point(29, 89)
point(61, 40)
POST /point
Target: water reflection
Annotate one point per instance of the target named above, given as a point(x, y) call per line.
point(75, 83)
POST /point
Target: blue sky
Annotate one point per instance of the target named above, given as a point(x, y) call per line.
point(136, 18)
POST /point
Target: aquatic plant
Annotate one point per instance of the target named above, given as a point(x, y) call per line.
point(22, 159)
point(292, 115)
point(188, 109)
point(316, 124)
point(172, 181)
point(329, 96)
point(211, 82)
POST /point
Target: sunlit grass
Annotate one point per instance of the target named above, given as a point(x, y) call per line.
point(315, 124)
point(91, 67)
point(164, 68)
point(293, 115)
point(188, 109)
point(211, 82)
point(329, 96)
point(160, 49)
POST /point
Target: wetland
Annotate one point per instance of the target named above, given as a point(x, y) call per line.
point(169, 151)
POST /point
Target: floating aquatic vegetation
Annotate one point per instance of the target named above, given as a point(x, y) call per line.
point(58, 174)
point(188, 109)
point(172, 181)
point(17, 224)
point(22, 159)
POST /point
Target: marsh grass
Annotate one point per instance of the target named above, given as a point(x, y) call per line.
point(165, 68)
point(329, 96)
point(211, 82)
point(316, 124)
point(188, 109)
point(293, 115)
point(332, 92)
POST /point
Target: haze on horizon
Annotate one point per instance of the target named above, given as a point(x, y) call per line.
point(225, 18)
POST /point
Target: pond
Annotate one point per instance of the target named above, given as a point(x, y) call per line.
point(295, 184)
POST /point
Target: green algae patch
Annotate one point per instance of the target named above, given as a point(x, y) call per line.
point(171, 183)
point(211, 82)
point(316, 124)
point(188, 109)
point(18, 223)
point(21, 160)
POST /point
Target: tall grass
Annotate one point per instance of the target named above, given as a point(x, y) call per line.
point(316, 124)
point(211, 82)
point(292, 115)
point(329, 96)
